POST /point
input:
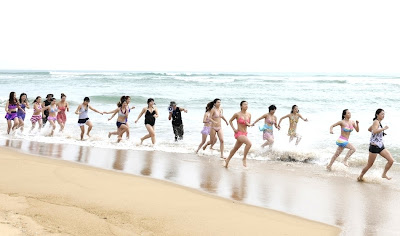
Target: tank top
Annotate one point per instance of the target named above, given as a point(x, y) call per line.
point(83, 113)
point(176, 117)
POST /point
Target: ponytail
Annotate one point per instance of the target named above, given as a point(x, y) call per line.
point(344, 113)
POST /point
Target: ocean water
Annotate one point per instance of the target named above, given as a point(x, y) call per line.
point(320, 98)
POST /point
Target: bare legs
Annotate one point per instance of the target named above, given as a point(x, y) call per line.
point(40, 124)
point(151, 134)
point(298, 138)
point(203, 140)
point(121, 130)
point(339, 150)
point(213, 140)
point(21, 124)
point(15, 126)
point(53, 125)
point(371, 159)
point(62, 124)
point(90, 126)
point(269, 142)
point(240, 140)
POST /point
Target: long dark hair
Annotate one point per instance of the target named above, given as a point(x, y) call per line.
point(12, 100)
point(272, 107)
point(121, 102)
point(377, 112)
point(209, 106)
point(293, 109)
point(344, 113)
point(36, 99)
point(20, 98)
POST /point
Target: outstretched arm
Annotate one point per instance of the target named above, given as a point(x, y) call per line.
point(112, 112)
point(112, 115)
point(284, 117)
point(141, 113)
point(334, 125)
point(91, 108)
point(262, 117)
point(183, 109)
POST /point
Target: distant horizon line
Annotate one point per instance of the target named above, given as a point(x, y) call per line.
point(211, 72)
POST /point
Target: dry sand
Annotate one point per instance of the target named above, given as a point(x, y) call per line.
point(41, 196)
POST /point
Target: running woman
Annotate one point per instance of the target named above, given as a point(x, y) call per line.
point(82, 111)
point(267, 129)
point(37, 113)
point(24, 103)
point(52, 111)
point(347, 126)
point(293, 120)
point(11, 110)
point(376, 145)
point(63, 106)
point(151, 113)
point(243, 119)
point(217, 114)
point(123, 112)
point(207, 125)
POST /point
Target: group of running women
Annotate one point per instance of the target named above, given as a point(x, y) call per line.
point(213, 117)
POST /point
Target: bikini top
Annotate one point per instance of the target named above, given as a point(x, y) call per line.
point(39, 107)
point(242, 121)
point(269, 121)
point(348, 129)
point(121, 114)
point(217, 116)
point(52, 110)
point(293, 119)
point(10, 106)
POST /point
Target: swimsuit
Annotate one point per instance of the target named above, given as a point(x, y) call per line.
point(206, 129)
point(61, 116)
point(83, 116)
point(36, 118)
point(242, 121)
point(217, 116)
point(121, 114)
point(376, 142)
point(21, 114)
point(343, 141)
point(267, 129)
point(293, 120)
point(13, 114)
point(149, 118)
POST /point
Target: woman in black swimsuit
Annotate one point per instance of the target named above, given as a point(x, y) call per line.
point(149, 120)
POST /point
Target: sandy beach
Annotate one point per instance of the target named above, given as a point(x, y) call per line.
point(40, 196)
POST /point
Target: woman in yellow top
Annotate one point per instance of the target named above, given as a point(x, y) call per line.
point(293, 120)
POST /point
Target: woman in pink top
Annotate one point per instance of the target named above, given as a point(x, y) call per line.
point(243, 121)
point(267, 129)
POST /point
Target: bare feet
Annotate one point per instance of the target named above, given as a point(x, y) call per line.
point(346, 163)
point(226, 163)
point(88, 135)
point(222, 157)
point(360, 179)
point(244, 162)
point(109, 134)
point(329, 168)
point(386, 177)
point(204, 147)
point(141, 141)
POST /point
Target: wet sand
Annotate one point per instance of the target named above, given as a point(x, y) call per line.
point(300, 189)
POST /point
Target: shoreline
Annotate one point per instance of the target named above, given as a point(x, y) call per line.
point(88, 199)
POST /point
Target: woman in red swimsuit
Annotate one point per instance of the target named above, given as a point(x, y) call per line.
point(243, 121)
point(62, 107)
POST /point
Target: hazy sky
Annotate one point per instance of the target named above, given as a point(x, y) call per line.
point(168, 35)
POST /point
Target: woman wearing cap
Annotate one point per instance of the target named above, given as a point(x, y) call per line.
point(149, 120)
